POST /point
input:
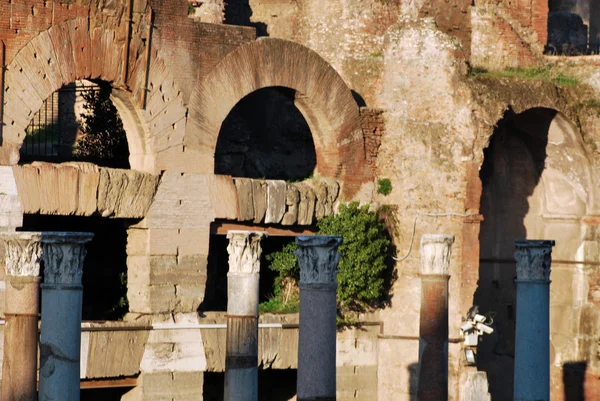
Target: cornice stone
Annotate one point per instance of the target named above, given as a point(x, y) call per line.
point(23, 253)
point(534, 258)
point(435, 253)
point(318, 257)
point(244, 251)
point(63, 254)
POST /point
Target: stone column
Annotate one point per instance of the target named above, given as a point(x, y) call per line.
point(532, 334)
point(19, 366)
point(62, 293)
point(318, 258)
point(433, 323)
point(241, 358)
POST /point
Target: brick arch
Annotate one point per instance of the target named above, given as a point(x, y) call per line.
point(70, 51)
point(322, 97)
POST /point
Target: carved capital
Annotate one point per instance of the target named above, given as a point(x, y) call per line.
point(435, 253)
point(318, 257)
point(63, 254)
point(23, 253)
point(534, 258)
point(244, 251)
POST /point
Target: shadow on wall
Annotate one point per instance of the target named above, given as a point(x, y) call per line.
point(238, 12)
point(574, 380)
point(512, 168)
point(413, 380)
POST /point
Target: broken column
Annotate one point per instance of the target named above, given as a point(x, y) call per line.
point(19, 366)
point(63, 254)
point(241, 358)
point(532, 333)
point(318, 258)
point(433, 323)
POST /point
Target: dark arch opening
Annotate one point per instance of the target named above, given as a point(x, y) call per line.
point(105, 265)
point(266, 136)
point(512, 168)
point(573, 27)
point(78, 122)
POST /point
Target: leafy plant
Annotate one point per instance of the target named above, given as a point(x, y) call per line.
point(103, 141)
point(384, 186)
point(191, 9)
point(361, 272)
point(364, 251)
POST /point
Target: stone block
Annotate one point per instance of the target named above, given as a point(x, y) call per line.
point(193, 242)
point(245, 201)
point(151, 298)
point(138, 242)
point(68, 190)
point(47, 185)
point(306, 207)
point(182, 202)
point(26, 181)
point(125, 193)
point(475, 387)
point(259, 199)
point(223, 197)
point(276, 201)
point(163, 241)
point(114, 353)
point(176, 386)
point(292, 197)
point(88, 179)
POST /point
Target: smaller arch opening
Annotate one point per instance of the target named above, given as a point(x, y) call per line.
point(78, 122)
point(266, 136)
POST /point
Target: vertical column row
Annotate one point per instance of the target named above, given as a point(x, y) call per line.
point(19, 366)
point(532, 335)
point(241, 360)
point(318, 258)
point(63, 255)
point(433, 323)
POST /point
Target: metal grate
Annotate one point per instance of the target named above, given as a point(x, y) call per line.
point(53, 129)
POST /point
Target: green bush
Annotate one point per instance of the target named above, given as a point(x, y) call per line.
point(362, 267)
point(384, 186)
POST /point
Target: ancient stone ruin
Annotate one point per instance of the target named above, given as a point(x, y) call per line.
point(243, 124)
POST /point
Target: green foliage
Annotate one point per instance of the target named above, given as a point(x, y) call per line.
point(361, 271)
point(285, 297)
point(277, 304)
point(104, 141)
point(191, 9)
point(545, 73)
point(384, 186)
point(285, 263)
point(364, 252)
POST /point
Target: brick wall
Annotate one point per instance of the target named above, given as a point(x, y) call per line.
point(373, 125)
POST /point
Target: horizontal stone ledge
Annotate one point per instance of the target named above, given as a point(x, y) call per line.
point(84, 189)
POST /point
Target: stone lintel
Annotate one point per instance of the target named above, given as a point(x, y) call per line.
point(23, 253)
point(63, 254)
point(534, 258)
point(435, 253)
point(318, 257)
point(244, 251)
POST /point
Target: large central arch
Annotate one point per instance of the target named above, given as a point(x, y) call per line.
point(323, 98)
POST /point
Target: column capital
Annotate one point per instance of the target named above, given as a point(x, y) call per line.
point(23, 253)
point(534, 258)
point(318, 257)
point(63, 254)
point(244, 251)
point(435, 253)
